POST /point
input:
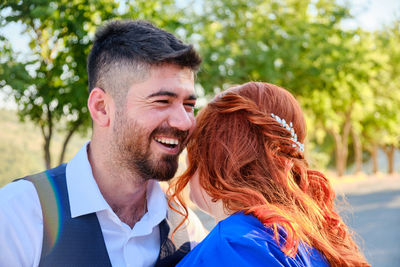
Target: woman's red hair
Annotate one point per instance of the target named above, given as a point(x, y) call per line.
point(246, 159)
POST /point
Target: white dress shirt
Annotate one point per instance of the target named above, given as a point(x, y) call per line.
point(21, 220)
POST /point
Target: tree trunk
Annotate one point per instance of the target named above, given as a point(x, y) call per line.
point(389, 151)
point(342, 141)
point(66, 141)
point(47, 135)
point(374, 157)
point(340, 162)
point(46, 149)
point(357, 151)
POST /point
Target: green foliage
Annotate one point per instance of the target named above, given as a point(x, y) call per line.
point(382, 124)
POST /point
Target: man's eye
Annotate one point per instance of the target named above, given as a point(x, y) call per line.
point(162, 101)
point(190, 105)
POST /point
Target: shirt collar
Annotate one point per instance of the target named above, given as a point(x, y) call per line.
point(85, 196)
point(156, 209)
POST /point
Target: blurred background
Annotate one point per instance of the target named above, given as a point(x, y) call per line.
point(341, 59)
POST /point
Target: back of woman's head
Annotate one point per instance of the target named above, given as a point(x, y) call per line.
point(240, 151)
point(248, 151)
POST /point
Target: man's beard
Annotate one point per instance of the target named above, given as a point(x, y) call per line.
point(133, 151)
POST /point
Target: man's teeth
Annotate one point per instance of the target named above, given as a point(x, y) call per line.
point(168, 141)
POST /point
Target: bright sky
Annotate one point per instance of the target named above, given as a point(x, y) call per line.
point(369, 14)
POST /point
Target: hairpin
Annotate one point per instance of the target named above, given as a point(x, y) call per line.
point(289, 127)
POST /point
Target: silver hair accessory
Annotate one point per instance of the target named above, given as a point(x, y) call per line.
point(289, 127)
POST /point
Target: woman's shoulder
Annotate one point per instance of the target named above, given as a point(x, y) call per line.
point(230, 243)
point(240, 240)
point(242, 230)
point(246, 230)
point(239, 224)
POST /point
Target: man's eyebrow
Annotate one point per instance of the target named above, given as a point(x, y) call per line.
point(192, 97)
point(163, 93)
point(170, 94)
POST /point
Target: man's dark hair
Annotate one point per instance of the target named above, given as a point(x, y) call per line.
point(136, 44)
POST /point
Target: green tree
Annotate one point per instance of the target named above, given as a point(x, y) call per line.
point(351, 95)
point(299, 45)
point(248, 40)
point(50, 83)
point(382, 126)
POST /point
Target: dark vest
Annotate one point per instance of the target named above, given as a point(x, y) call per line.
point(79, 241)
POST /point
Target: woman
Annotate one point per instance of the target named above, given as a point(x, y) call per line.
point(246, 167)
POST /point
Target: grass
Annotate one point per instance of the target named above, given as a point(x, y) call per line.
point(21, 145)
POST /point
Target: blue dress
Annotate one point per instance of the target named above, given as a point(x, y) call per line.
point(242, 240)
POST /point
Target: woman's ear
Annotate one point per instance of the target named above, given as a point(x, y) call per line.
point(98, 104)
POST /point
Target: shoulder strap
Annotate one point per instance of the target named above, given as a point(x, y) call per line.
point(50, 209)
point(67, 241)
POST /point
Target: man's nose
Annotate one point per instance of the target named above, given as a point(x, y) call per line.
point(181, 119)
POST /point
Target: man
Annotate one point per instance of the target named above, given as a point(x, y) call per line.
point(105, 207)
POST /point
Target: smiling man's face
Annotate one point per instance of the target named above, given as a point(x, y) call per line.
point(153, 126)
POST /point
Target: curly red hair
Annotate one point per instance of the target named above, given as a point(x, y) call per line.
point(246, 159)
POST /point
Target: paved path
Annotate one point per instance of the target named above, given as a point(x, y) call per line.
point(375, 217)
point(373, 213)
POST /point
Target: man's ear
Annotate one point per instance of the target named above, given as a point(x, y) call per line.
point(98, 104)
